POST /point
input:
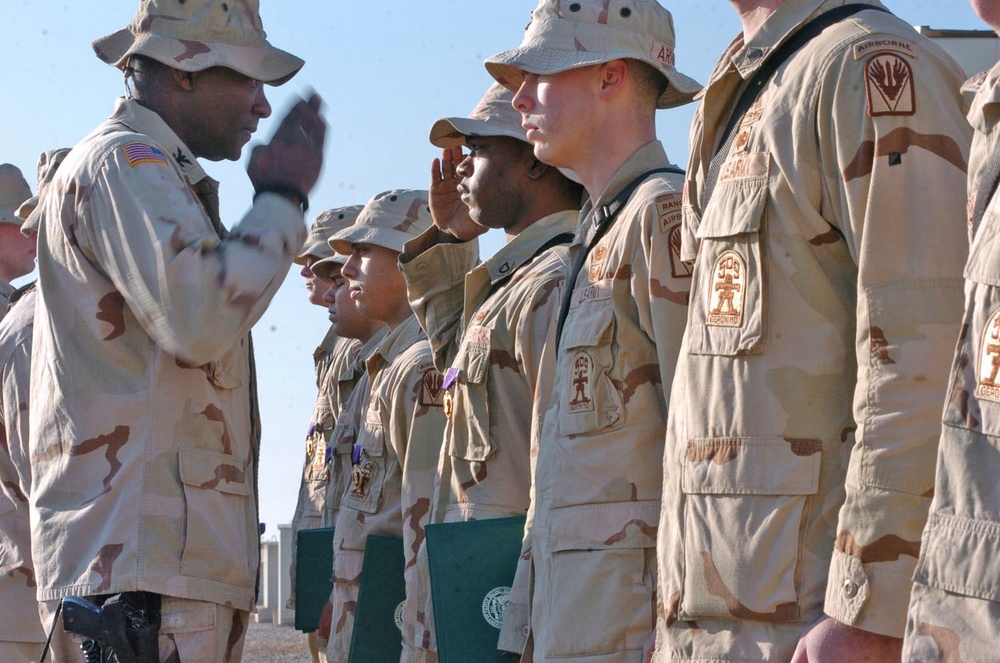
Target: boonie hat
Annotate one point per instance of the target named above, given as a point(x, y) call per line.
point(389, 220)
point(14, 190)
point(323, 227)
point(494, 115)
point(48, 162)
point(566, 35)
point(192, 35)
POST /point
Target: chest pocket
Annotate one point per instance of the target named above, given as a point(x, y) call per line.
point(727, 307)
point(470, 412)
point(367, 466)
point(590, 401)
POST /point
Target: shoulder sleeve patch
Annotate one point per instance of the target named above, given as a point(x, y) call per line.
point(136, 153)
point(973, 85)
point(668, 210)
point(889, 82)
point(432, 389)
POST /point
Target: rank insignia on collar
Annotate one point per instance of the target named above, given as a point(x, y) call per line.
point(181, 158)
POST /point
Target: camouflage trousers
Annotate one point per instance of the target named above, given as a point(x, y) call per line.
point(190, 632)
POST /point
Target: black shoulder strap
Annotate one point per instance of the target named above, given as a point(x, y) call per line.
point(602, 218)
point(756, 85)
point(560, 239)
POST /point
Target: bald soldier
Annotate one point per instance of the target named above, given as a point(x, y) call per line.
point(955, 604)
point(823, 211)
point(491, 324)
point(17, 250)
point(588, 81)
point(144, 427)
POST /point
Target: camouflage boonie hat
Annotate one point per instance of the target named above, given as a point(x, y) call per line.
point(494, 115)
point(565, 35)
point(48, 163)
point(323, 228)
point(390, 220)
point(14, 190)
point(192, 35)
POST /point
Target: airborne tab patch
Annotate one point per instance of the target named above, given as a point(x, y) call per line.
point(889, 80)
point(136, 153)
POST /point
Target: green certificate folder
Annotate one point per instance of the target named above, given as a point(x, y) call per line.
point(377, 634)
point(313, 572)
point(472, 566)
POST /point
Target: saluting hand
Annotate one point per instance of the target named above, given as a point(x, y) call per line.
point(294, 156)
point(450, 214)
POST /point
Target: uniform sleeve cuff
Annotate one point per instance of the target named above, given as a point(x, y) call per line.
point(871, 597)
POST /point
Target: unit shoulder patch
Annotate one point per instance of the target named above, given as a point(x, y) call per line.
point(890, 85)
point(988, 367)
point(728, 292)
point(136, 153)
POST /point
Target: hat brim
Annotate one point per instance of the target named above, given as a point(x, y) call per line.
point(320, 249)
point(323, 268)
point(452, 131)
point(31, 222)
point(26, 208)
point(261, 61)
point(364, 234)
point(508, 69)
point(9, 215)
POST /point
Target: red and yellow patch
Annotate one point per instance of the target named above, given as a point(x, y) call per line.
point(136, 153)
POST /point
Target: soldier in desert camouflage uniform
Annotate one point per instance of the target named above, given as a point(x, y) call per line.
point(589, 78)
point(824, 303)
point(21, 633)
point(490, 324)
point(17, 250)
point(394, 458)
point(329, 359)
point(144, 446)
point(955, 605)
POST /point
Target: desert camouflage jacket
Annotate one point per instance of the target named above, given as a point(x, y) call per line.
point(18, 605)
point(144, 426)
point(394, 465)
point(825, 301)
point(492, 336)
point(955, 606)
point(590, 568)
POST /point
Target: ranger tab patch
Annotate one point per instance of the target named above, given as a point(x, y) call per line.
point(136, 153)
point(889, 80)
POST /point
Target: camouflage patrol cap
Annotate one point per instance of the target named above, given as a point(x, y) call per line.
point(48, 163)
point(565, 35)
point(192, 35)
point(14, 190)
point(323, 227)
point(390, 220)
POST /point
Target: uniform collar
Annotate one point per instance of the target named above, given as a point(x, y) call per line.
point(394, 344)
point(649, 156)
point(747, 57)
point(364, 353)
point(141, 120)
point(522, 248)
point(984, 112)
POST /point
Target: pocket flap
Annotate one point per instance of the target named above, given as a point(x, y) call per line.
point(473, 358)
point(372, 439)
point(343, 438)
point(743, 202)
point(959, 555)
point(605, 526)
point(208, 469)
point(752, 466)
point(589, 325)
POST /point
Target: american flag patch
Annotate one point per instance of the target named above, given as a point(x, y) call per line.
point(137, 153)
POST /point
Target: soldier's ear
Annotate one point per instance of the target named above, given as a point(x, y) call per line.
point(537, 169)
point(184, 79)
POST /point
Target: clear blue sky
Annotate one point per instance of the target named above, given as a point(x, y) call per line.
point(386, 71)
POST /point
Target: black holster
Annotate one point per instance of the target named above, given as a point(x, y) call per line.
point(128, 624)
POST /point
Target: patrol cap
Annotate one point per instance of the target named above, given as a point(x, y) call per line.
point(192, 35)
point(323, 227)
point(14, 190)
point(389, 220)
point(566, 35)
point(48, 162)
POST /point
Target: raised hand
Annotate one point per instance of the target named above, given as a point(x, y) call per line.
point(450, 214)
point(294, 156)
